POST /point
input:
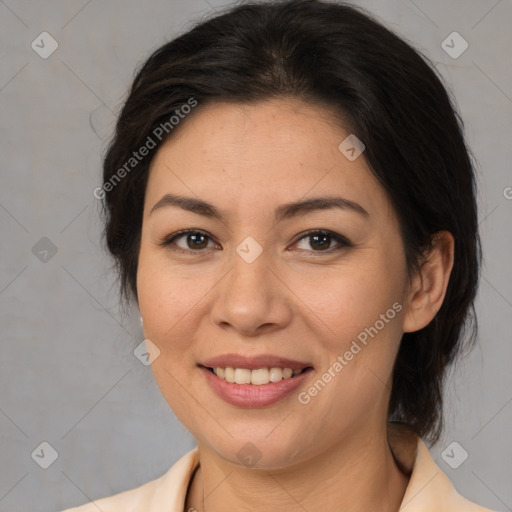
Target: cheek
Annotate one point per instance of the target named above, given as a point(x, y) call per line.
point(352, 387)
point(166, 304)
point(166, 296)
point(359, 311)
point(349, 298)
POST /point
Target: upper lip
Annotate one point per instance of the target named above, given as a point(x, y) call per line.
point(253, 362)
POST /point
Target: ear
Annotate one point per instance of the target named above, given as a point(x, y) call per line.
point(428, 287)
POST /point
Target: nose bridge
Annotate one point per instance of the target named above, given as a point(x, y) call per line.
point(249, 278)
point(250, 296)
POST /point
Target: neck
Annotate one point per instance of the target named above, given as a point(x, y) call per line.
point(358, 474)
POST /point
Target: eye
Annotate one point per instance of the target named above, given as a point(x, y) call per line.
point(321, 240)
point(195, 241)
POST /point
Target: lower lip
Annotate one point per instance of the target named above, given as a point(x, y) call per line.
point(251, 396)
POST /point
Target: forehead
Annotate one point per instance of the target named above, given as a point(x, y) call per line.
point(274, 151)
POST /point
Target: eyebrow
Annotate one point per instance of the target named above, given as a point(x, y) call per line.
point(285, 211)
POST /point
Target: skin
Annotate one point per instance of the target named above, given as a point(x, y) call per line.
point(295, 300)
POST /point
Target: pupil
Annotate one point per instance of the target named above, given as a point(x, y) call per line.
point(324, 237)
point(195, 238)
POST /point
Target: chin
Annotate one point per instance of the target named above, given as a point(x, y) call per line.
point(259, 451)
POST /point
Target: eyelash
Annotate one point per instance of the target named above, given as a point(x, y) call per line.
point(341, 240)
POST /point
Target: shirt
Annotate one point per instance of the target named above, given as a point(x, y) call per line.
point(429, 489)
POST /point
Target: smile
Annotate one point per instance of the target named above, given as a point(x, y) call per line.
point(253, 381)
point(257, 377)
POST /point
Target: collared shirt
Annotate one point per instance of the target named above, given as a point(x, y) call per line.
point(429, 489)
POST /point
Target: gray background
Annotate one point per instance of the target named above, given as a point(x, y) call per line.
point(68, 373)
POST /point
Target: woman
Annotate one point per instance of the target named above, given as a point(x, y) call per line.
point(290, 201)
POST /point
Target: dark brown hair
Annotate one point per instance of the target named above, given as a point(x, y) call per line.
point(392, 99)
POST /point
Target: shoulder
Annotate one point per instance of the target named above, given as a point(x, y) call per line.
point(429, 489)
point(167, 491)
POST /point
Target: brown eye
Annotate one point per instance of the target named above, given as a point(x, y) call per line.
point(196, 241)
point(193, 241)
point(320, 241)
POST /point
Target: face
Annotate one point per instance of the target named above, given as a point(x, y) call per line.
point(259, 285)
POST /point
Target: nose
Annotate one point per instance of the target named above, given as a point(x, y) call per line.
point(252, 299)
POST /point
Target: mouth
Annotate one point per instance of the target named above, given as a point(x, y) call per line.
point(254, 382)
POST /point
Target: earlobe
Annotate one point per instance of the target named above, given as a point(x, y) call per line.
point(429, 284)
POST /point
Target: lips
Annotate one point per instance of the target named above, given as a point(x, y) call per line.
point(248, 395)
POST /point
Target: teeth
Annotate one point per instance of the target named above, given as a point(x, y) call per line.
point(255, 377)
point(242, 376)
point(259, 377)
point(229, 374)
point(276, 374)
point(287, 373)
